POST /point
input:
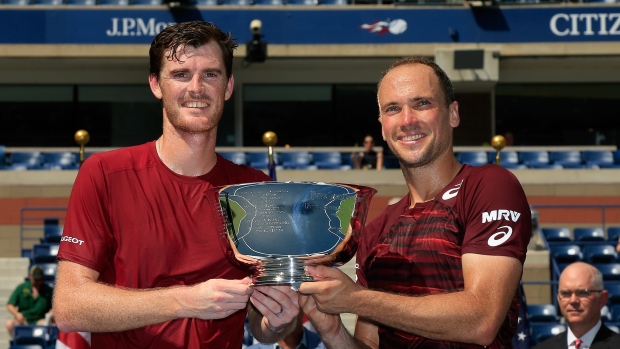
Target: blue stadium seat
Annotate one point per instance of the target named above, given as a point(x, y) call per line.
point(390, 162)
point(49, 272)
point(542, 331)
point(474, 158)
point(329, 160)
point(534, 158)
point(610, 271)
point(614, 326)
point(44, 253)
point(542, 313)
point(302, 2)
point(615, 312)
point(605, 314)
point(16, 167)
point(333, 2)
point(614, 294)
point(237, 2)
point(2, 155)
point(598, 157)
point(566, 253)
point(80, 2)
point(31, 334)
point(267, 2)
point(556, 234)
point(603, 253)
point(46, 2)
point(26, 346)
point(616, 155)
point(546, 166)
point(508, 158)
point(260, 160)
point(296, 160)
point(16, 2)
point(30, 159)
point(566, 158)
point(581, 234)
point(62, 160)
point(238, 157)
point(111, 3)
point(613, 234)
point(146, 2)
point(52, 233)
point(205, 2)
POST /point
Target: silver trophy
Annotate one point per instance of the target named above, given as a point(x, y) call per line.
point(275, 228)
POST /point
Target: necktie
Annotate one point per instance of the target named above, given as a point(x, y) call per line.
point(577, 343)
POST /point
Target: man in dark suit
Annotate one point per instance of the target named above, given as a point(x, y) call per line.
point(581, 297)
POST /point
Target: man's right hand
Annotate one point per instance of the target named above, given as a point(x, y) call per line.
point(216, 298)
point(20, 318)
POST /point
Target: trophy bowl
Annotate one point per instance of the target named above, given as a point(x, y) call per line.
point(275, 228)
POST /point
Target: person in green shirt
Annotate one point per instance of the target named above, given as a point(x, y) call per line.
point(30, 302)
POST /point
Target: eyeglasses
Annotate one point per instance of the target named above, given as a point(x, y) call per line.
point(583, 293)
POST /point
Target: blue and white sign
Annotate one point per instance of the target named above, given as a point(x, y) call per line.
point(285, 26)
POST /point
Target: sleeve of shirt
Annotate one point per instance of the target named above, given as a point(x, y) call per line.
point(15, 295)
point(498, 217)
point(87, 237)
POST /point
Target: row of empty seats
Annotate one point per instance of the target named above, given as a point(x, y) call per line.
point(556, 235)
point(333, 160)
point(586, 244)
point(544, 159)
point(35, 160)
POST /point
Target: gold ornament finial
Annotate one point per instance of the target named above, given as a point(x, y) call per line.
point(270, 138)
point(498, 142)
point(82, 138)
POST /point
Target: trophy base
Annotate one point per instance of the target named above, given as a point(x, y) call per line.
point(281, 271)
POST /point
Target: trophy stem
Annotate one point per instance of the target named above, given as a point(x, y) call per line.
point(283, 270)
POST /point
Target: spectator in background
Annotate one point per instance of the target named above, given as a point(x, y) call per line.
point(369, 158)
point(510, 138)
point(581, 296)
point(144, 267)
point(30, 302)
point(440, 268)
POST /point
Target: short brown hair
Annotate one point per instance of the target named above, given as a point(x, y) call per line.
point(194, 34)
point(444, 80)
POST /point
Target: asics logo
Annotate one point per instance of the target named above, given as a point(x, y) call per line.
point(500, 237)
point(452, 192)
point(497, 215)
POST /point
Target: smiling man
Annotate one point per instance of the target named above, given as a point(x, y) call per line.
point(149, 271)
point(581, 296)
point(440, 268)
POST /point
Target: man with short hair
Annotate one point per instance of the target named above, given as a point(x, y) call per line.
point(30, 301)
point(581, 296)
point(146, 268)
point(440, 268)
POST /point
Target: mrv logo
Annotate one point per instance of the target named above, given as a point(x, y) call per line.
point(573, 24)
point(497, 215)
point(135, 27)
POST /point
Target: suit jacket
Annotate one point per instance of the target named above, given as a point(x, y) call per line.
point(604, 339)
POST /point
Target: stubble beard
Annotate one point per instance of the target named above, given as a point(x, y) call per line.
point(194, 124)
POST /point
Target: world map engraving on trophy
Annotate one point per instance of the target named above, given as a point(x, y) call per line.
point(295, 219)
